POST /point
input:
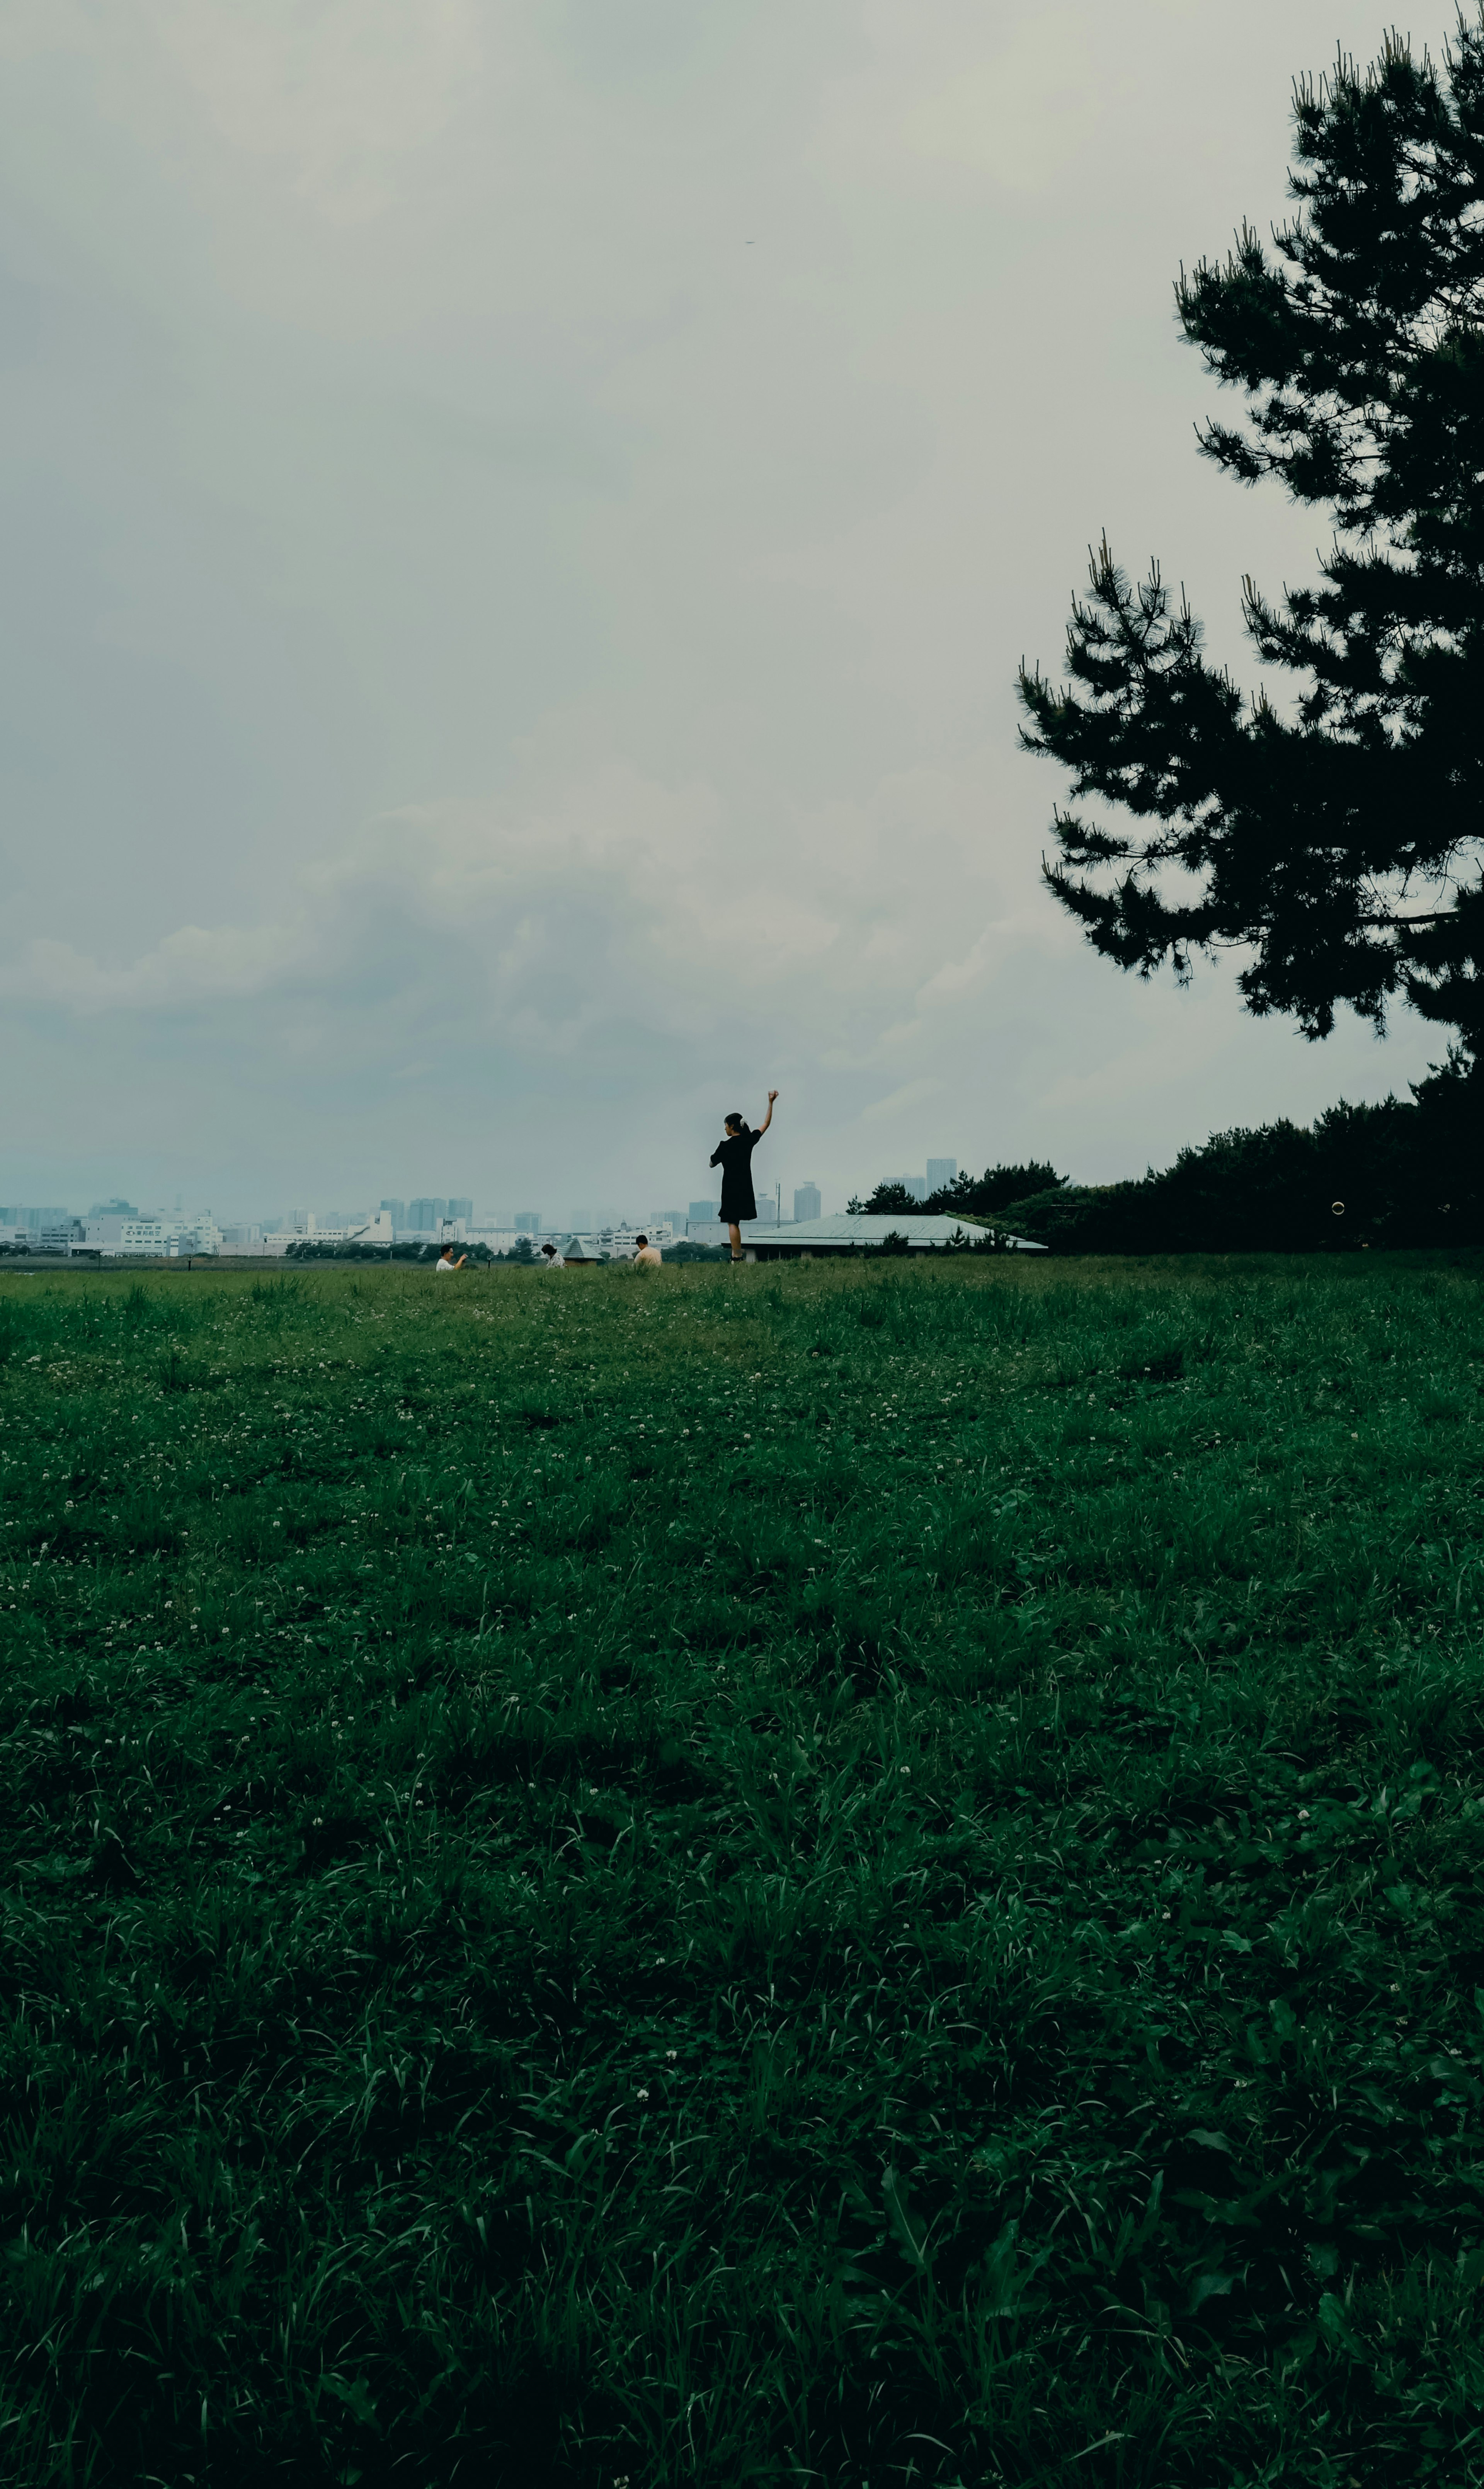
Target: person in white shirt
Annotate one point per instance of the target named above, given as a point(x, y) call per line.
point(447, 1262)
point(649, 1253)
point(550, 1259)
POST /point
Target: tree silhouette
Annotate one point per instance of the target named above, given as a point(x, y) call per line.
point(1337, 846)
point(978, 1195)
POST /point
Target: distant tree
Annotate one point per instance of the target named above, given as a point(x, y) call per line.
point(981, 1195)
point(1402, 1173)
point(522, 1250)
point(1309, 838)
point(889, 1197)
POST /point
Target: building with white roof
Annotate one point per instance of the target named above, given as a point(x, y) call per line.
point(113, 1236)
point(924, 1233)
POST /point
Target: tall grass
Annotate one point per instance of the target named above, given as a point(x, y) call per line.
point(863, 1876)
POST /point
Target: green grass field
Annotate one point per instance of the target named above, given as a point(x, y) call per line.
point(803, 1875)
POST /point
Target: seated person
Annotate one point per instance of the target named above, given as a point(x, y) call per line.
point(647, 1252)
point(447, 1262)
point(550, 1259)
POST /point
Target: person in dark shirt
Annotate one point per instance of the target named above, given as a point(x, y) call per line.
point(734, 1156)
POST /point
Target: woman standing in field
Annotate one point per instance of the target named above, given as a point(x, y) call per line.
point(734, 1155)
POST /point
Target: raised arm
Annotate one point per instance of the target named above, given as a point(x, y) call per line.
point(768, 1117)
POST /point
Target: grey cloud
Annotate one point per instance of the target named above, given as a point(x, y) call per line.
point(520, 529)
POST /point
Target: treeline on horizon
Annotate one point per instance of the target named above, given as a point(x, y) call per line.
point(310, 1248)
point(1407, 1172)
point(523, 1253)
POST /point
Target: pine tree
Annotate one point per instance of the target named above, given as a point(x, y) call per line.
point(1339, 844)
point(975, 1195)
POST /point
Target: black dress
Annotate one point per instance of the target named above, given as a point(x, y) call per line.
point(734, 1157)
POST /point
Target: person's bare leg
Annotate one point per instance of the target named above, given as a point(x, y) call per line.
point(736, 1233)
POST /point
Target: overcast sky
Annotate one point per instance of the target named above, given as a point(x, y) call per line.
point(519, 525)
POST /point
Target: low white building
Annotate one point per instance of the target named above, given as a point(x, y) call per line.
point(113, 1235)
point(165, 1236)
point(372, 1229)
point(620, 1242)
point(920, 1231)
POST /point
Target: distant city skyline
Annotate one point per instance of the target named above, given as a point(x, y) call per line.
point(429, 1215)
point(426, 1213)
point(938, 1172)
point(412, 1213)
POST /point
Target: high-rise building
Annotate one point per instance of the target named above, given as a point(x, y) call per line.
point(673, 1219)
point(459, 1208)
point(806, 1201)
point(426, 1214)
point(396, 1211)
point(526, 1223)
point(702, 1209)
point(941, 1171)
